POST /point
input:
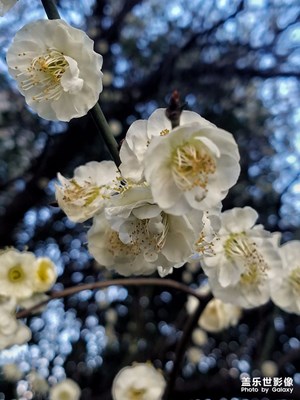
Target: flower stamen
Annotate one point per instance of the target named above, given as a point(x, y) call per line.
point(46, 71)
point(238, 247)
point(85, 193)
point(192, 165)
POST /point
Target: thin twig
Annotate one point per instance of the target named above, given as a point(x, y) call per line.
point(101, 285)
point(103, 127)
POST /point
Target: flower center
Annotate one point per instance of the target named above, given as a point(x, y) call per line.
point(136, 394)
point(150, 234)
point(16, 274)
point(64, 395)
point(45, 71)
point(294, 280)
point(192, 165)
point(147, 236)
point(238, 247)
point(119, 249)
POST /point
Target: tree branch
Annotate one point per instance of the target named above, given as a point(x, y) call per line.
point(101, 285)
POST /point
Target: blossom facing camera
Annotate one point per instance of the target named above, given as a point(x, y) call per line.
point(65, 390)
point(140, 135)
point(140, 382)
point(17, 273)
point(191, 167)
point(56, 69)
point(6, 5)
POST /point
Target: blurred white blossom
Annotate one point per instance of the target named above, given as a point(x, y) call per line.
point(269, 368)
point(38, 384)
point(12, 331)
point(12, 372)
point(17, 273)
point(285, 285)
point(56, 69)
point(45, 274)
point(194, 355)
point(139, 382)
point(199, 337)
point(218, 316)
point(65, 390)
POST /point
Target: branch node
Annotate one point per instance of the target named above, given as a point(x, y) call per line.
point(174, 109)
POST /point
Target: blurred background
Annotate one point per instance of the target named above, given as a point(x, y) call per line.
point(237, 63)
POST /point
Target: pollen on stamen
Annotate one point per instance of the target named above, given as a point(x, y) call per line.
point(192, 164)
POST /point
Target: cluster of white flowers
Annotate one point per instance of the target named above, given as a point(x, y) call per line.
point(141, 381)
point(162, 208)
point(147, 220)
point(23, 280)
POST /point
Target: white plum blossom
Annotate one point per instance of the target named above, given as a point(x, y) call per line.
point(38, 384)
point(218, 316)
point(269, 368)
point(12, 331)
point(134, 236)
point(285, 285)
point(194, 355)
point(199, 337)
point(17, 273)
point(244, 260)
point(84, 195)
point(139, 136)
point(139, 382)
point(65, 390)
point(191, 167)
point(45, 274)
point(56, 69)
point(6, 5)
point(12, 372)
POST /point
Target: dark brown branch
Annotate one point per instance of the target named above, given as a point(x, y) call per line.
point(101, 285)
point(181, 347)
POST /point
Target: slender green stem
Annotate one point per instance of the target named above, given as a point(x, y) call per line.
point(104, 129)
point(96, 112)
point(181, 347)
point(50, 9)
point(101, 285)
